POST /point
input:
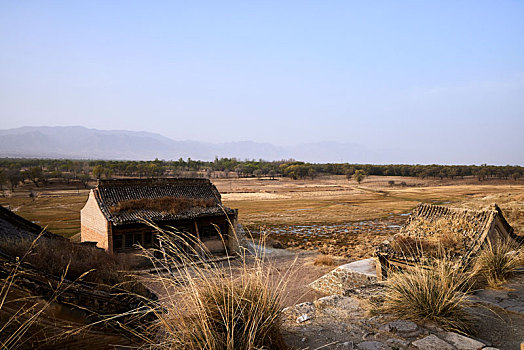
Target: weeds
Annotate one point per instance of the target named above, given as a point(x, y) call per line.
point(324, 260)
point(165, 204)
point(20, 313)
point(61, 257)
point(497, 262)
point(435, 293)
point(209, 305)
point(435, 237)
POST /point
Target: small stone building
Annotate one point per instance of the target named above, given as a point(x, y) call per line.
point(433, 230)
point(116, 212)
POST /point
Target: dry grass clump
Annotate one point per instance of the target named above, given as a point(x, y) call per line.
point(441, 226)
point(216, 306)
point(324, 260)
point(164, 204)
point(72, 261)
point(435, 238)
point(446, 245)
point(433, 293)
point(409, 245)
point(20, 313)
point(497, 262)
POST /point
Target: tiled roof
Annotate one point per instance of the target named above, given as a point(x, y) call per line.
point(13, 225)
point(109, 193)
point(471, 225)
point(479, 220)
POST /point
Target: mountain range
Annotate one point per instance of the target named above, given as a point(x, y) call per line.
point(77, 142)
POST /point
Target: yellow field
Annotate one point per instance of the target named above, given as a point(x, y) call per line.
point(60, 212)
point(298, 202)
point(336, 200)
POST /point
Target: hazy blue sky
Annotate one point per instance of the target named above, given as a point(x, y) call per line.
point(447, 76)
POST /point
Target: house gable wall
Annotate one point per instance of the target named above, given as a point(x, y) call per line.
point(94, 226)
point(498, 232)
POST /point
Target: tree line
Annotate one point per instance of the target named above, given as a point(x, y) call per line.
point(14, 171)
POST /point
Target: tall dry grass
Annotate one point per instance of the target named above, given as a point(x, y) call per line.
point(21, 312)
point(498, 261)
point(63, 258)
point(207, 304)
point(436, 287)
point(324, 260)
point(435, 238)
point(431, 293)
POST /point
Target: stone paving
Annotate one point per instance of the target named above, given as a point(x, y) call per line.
point(339, 322)
point(509, 298)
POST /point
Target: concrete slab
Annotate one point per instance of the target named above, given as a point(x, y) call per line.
point(365, 266)
point(348, 276)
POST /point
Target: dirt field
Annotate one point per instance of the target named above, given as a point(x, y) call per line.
point(270, 203)
point(337, 200)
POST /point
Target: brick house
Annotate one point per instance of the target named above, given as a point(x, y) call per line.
point(114, 214)
point(458, 233)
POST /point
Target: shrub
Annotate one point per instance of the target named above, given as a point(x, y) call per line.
point(430, 293)
point(325, 260)
point(497, 262)
point(359, 175)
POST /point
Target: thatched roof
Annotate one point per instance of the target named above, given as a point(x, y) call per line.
point(130, 201)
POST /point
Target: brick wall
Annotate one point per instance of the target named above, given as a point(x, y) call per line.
point(94, 226)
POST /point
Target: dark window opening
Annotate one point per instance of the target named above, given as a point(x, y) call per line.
point(137, 239)
point(148, 239)
point(117, 242)
point(184, 229)
point(129, 240)
point(207, 231)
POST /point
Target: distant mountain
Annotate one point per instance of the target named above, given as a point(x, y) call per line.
point(83, 143)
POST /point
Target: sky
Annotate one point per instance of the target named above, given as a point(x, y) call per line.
point(429, 77)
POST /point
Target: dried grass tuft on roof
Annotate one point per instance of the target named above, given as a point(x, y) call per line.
point(443, 236)
point(131, 201)
point(165, 205)
point(434, 231)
